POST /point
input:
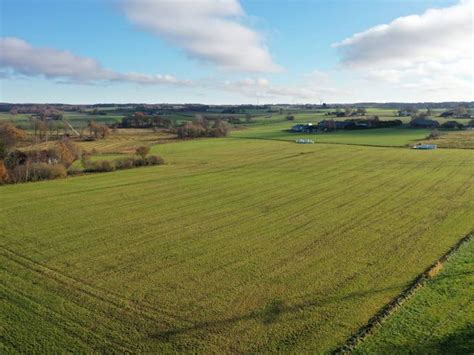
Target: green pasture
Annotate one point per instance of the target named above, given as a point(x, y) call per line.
point(439, 319)
point(378, 137)
point(234, 245)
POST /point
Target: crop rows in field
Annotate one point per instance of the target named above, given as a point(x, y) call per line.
point(438, 319)
point(233, 245)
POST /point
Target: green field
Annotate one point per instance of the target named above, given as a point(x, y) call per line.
point(76, 119)
point(438, 319)
point(235, 245)
point(395, 137)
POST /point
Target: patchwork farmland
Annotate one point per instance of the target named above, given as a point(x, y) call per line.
point(234, 245)
point(236, 177)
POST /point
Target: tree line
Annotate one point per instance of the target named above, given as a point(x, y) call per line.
point(33, 165)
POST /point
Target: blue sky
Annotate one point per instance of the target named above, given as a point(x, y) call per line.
point(279, 51)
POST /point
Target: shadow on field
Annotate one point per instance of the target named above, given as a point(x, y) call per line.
point(277, 308)
point(269, 314)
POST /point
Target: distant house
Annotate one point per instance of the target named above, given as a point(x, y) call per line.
point(424, 123)
point(304, 128)
point(452, 125)
point(298, 128)
point(447, 114)
point(404, 113)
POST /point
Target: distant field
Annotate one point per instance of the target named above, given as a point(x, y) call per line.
point(439, 319)
point(378, 137)
point(76, 119)
point(121, 141)
point(235, 245)
point(454, 139)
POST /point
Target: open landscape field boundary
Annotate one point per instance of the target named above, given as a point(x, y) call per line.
point(382, 315)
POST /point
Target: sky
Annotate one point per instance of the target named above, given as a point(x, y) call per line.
point(236, 51)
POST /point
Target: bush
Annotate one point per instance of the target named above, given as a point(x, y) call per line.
point(67, 152)
point(37, 172)
point(154, 160)
point(3, 173)
point(124, 163)
point(73, 170)
point(98, 166)
point(142, 151)
point(201, 129)
point(15, 158)
point(130, 162)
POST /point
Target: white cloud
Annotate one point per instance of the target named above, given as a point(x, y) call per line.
point(22, 58)
point(432, 52)
point(443, 34)
point(209, 30)
point(263, 88)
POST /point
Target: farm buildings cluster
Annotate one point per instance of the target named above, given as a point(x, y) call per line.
point(354, 124)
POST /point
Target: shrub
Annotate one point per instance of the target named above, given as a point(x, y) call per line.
point(10, 135)
point(3, 173)
point(98, 166)
point(15, 158)
point(37, 172)
point(3, 150)
point(130, 162)
point(154, 160)
point(220, 129)
point(105, 165)
point(73, 170)
point(98, 129)
point(142, 151)
point(140, 162)
point(67, 152)
point(201, 128)
point(124, 163)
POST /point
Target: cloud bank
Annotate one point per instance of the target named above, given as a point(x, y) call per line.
point(433, 52)
point(22, 58)
point(438, 34)
point(262, 88)
point(208, 30)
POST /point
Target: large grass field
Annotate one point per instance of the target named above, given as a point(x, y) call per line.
point(236, 245)
point(438, 319)
point(455, 139)
point(77, 119)
point(396, 137)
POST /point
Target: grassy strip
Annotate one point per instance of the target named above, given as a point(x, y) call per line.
point(397, 302)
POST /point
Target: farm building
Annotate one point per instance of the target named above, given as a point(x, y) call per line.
point(306, 128)
point(452, 125)
point(298, 128)
point(424, 123)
